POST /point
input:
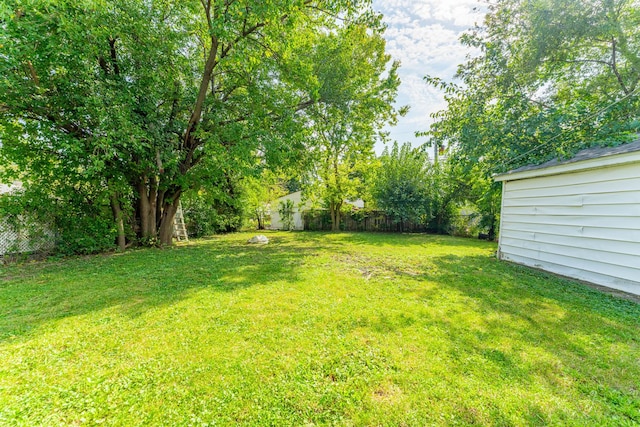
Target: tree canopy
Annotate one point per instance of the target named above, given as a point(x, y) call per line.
point(357, 87)
point(401, 185)
point(552, 77)
point(409, 187)
point(133, 103)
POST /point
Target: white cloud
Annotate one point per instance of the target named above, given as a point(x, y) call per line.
point(424, 36)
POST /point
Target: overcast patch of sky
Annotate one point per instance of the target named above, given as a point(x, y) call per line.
point(424, 36)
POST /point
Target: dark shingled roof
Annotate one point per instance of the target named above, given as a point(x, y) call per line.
point(587, 154)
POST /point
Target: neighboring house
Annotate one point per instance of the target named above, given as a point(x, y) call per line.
point(578, 218)
point(4, 188)
point(358, 203)
point(299, 208)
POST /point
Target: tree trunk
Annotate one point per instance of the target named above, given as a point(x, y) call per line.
point(334, 209)
point(332, 214)
point(118, 218)
point(260, 221)
point(146, 217)
point(165, 232)
point(150, 205)
point(165, 229)
point(153, 201)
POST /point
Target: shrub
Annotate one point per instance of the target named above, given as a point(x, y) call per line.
point(63, 226)
point(285, 209)
point(207, 214)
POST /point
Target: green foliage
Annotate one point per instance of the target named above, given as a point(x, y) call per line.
point(446, 189)
point(286, 209)
point(357, 89)
point(20, 231)
point(401, 186)
point(466, 223)
point(345, 329)
point(138, 103)
point(257, 193)
point(85, 233)
point(486, 197)
point(552, 77)
point(410, 188)
point(208, 213)
point(62, 226)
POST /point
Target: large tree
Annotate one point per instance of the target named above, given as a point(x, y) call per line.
point(552, 77)
point(409, 187)
point(357, 87)
point(400, 187)
point(137, 102)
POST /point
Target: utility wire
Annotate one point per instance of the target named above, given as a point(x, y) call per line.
point(584, 119)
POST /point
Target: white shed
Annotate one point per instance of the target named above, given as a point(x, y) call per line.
point(298, 208)
point(578, 218)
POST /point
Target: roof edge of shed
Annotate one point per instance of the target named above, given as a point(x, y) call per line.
point(590, 158)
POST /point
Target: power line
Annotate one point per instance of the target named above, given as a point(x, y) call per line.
point(584, 119)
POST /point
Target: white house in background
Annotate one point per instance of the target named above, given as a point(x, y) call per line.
point(299, 207)
point(578, 218)
point(10, 188)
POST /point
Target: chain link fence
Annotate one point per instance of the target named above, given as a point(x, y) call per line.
point(24, 237)
point(19, 234)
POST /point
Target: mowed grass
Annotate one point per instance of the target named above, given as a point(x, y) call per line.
point(313, 329)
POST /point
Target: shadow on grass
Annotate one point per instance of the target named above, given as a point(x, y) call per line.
point(402, 239)
point(495, 283)
point(580, 333)
point(517, 328)
point(522, 328)
point(135, 281)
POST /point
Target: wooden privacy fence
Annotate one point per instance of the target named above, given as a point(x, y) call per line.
point(320, 220)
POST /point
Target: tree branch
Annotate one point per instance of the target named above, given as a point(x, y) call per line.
point(202, 92)
point(114, 57)
point(33, 74)
point(614, 67)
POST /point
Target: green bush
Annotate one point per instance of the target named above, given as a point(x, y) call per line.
point(72, 225)
point(410, 188)
point(206, 215)
point(85, 233)
point(285, 209)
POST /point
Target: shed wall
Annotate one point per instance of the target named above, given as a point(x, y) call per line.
point(298, 207)
point(583, 224)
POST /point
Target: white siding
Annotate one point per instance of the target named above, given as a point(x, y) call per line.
point(298, 210)
point(582, 223)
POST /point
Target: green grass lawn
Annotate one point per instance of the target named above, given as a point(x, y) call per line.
point(312, 329)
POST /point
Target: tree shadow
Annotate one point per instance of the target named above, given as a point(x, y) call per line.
point(135, 281)
point(522, 326)
point(525, 328)
point(403, 239)
point(555, 327)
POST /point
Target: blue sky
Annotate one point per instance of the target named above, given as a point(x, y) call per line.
point(424, 36)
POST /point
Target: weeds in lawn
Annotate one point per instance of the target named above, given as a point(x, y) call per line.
point(315, 329)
